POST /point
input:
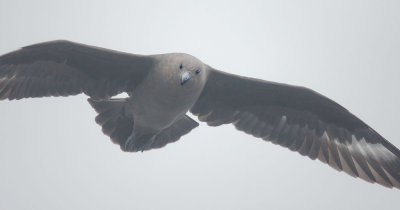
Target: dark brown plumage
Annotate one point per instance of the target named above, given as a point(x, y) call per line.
point(293, 117)
point(301, 120)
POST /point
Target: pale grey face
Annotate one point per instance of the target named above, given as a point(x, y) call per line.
point(189, 72)
point(179, 69)
point(182, 72)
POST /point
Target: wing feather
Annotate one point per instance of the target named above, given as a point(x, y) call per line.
point(301, 120)
point(62, 68)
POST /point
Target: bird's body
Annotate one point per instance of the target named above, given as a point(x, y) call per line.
point(163, 82)
point(163, 88)
point(154, 114)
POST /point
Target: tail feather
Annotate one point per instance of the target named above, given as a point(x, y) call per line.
point(118, 125)
point(174, 132)
point(115, 122)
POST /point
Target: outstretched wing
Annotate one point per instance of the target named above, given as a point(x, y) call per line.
point(61, 68)
point(301, 120)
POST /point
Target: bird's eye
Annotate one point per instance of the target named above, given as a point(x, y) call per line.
point(180, 66)
point(197, 71)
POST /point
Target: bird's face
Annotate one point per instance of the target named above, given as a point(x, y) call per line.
point(190, 71)
point(180, 73)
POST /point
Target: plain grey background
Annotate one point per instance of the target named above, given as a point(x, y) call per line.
point(54, 156)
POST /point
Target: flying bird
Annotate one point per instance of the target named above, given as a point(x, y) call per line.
point(163, 88)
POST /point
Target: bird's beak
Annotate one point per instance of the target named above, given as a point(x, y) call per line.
point(185, 76)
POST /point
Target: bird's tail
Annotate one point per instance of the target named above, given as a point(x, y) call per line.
point(114, 120)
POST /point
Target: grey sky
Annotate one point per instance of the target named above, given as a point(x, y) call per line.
point(54, 156)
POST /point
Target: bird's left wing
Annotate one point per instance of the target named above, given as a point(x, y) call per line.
point(61, 68)
point(301, 120)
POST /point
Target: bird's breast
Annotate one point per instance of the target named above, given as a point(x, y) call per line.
point(158, 104)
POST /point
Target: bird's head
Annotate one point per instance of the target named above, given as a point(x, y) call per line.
point(186, 75)
point(191, 70)
point(182, 71)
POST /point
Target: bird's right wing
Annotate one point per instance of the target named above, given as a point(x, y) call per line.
point(61, 68)
point(301, 120)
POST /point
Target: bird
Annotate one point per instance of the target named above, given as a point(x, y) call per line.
point(161, 89)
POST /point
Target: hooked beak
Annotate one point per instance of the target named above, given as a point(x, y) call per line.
point(185, 76)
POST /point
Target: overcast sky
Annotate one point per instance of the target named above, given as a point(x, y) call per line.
point(54, 156)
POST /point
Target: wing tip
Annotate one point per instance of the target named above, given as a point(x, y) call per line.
point(47, 43)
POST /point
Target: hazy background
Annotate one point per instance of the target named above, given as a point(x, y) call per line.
point(54, 156)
